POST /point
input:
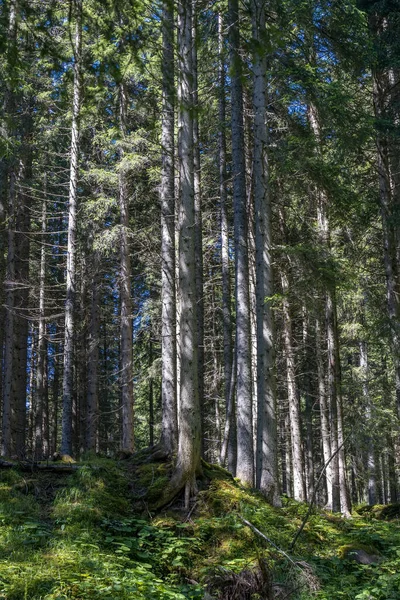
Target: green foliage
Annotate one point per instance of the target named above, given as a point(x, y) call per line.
point(78, 536)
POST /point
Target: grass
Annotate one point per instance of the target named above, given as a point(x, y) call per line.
point(86, 536)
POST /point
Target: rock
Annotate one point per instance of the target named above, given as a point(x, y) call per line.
point(362, 557)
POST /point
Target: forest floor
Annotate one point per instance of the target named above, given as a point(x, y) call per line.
point(91, 534)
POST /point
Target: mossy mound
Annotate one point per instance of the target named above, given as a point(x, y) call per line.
point(383, 512)
point(90, 534)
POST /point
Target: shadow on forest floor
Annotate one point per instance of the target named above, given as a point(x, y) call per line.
point(90, 535)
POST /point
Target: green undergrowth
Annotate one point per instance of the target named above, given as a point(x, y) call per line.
point(91, 534)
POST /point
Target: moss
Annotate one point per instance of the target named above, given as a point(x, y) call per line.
point(347, 549)
point(215, 472)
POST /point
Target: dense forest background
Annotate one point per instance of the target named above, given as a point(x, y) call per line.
point(200, 238)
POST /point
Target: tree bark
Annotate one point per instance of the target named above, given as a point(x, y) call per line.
point(299, 492)
point(230, 417)
point(92, 402)
point(125, 298)
point(69, 333)
point(169, 436)
point(198, 224)
point(42, 342)
point(189, 442)
point(266, 456)
point(245, 452)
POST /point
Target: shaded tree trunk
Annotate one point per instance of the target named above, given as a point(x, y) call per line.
point(299, 492)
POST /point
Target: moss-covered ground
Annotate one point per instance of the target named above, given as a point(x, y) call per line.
point(91, 534)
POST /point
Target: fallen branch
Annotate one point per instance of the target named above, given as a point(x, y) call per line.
point(33, 466)
point(266, 539)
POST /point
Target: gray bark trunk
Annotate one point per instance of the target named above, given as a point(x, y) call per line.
point(189, 442)
point(125, 299)
point(245, 452)
point(8, 392)
point(293, 399)
point(42, 343)
point(169, 436)
point(371, 474)
point(324, 414)
point(231, 441)
point(198, 223)
point(69, 332)
point(92, 402)
point(266, 456)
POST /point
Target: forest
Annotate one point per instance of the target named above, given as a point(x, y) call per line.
point(200, 278)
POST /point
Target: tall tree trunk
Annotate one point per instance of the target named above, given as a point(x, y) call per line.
point(245, 452)
point(266, 456)
point(126, 300)
point(92, 402)
point(324, 415)
point(169, 436)
point(198, 223)
point(42, 342)
point(69, 339)
point(371, 475)
point(189, 442)
point(309, 445)
point(8, 391)
point(151, 395)
point(299, 492)
point(230, 416)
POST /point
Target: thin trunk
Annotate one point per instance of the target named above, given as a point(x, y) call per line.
point(198, 224)
point(371, 475)
point(69, 339)
point(245, 452)
point(226, 279)
point(92, 402)
point(324, 415)
point(42, 342)
point(151, 397)
point(293, 398)
point(308, 406)
point(167, 194)
point(126, 300)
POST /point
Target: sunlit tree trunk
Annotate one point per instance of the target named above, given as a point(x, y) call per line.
point(42, 343)
point(125, 298)
point(169, 434)
point(198, 222)
point(189, 440)
point(229, 446)
point(266, 456)
point(245, 452)
point(69, 333)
